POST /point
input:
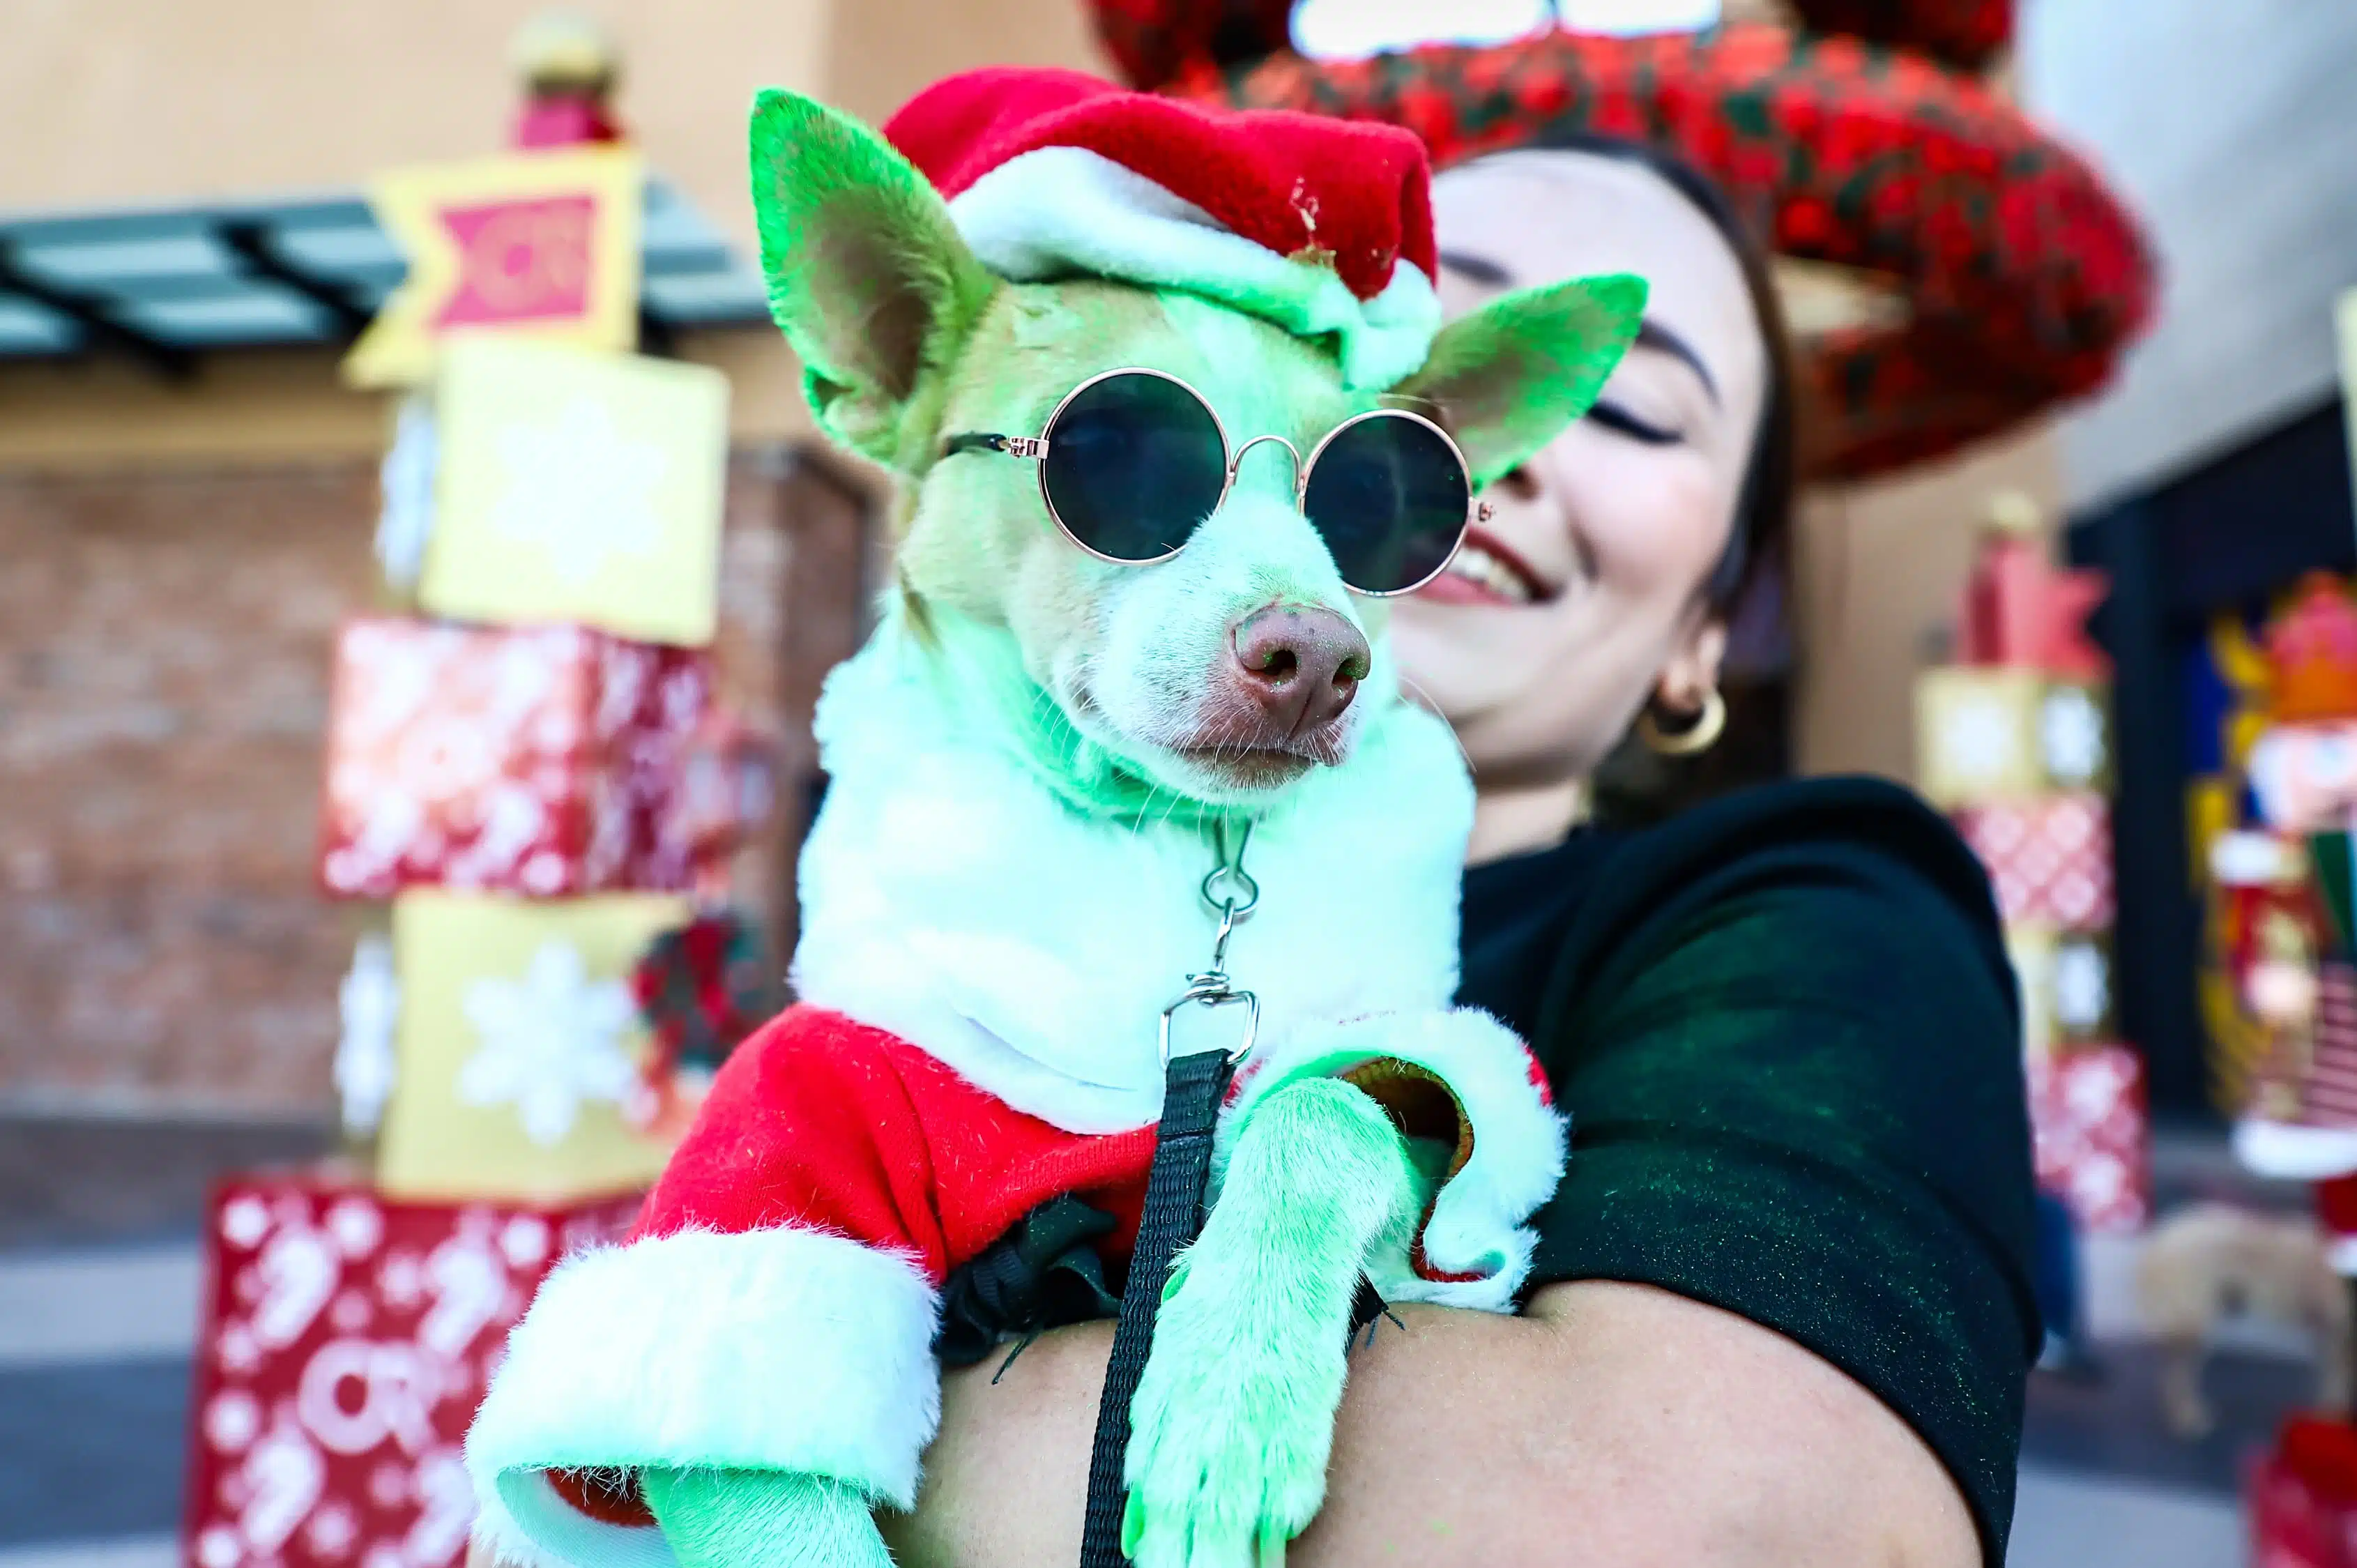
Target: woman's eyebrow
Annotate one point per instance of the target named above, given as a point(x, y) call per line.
point(1651, 334)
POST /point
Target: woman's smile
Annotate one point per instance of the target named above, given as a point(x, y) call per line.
point(1487, 571)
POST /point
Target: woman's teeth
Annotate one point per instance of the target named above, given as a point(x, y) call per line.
point(1478, 567)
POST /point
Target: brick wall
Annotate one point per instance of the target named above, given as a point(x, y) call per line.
point(164, 648)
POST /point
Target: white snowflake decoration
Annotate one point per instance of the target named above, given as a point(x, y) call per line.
point(370, 1003)
point(580, 488)
point(2070, 731)
point(406, 522)
point(548, 1043)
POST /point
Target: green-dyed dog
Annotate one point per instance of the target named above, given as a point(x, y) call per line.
point(1023, 765)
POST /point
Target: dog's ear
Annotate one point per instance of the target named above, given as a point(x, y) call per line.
point(1510, 377)
point(867, 277)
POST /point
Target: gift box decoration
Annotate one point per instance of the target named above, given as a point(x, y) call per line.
point(2019, 609)
point(578, 487)
point(2092, 1135)
point(2065, 980)
point(2048, 858)
point(539, 760)
point(522, 1054)
point(345, 1343)
point(1993, 735)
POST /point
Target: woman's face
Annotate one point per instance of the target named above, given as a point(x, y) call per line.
point(1581, 598)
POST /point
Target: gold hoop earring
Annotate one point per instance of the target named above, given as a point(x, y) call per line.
point(1697, 737)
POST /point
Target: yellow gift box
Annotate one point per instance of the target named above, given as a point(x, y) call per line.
point(518, 1047)
point(1985, 734)
point(578, 487)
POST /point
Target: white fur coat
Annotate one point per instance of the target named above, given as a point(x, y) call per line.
point(950, 896)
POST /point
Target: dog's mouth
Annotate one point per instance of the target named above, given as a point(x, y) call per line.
point(1253, 758)
point(1233, 755)
point(1255, 766)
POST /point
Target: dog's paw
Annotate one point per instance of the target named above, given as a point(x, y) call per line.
point(1229, 1434)
point(1233, 1418)
point(762, 1519)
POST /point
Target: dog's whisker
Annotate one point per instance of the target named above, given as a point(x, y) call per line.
point(1424, 700)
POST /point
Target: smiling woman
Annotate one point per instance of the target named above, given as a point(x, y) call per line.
point(1617, 552)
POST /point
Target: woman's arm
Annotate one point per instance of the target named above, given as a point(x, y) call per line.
point(1613, 1425)
point(1783, 1027)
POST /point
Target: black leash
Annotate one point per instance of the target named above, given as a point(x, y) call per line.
point(1192, 1098)
point(1194, 1087)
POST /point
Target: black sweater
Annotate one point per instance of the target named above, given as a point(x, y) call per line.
point(1786, 1034)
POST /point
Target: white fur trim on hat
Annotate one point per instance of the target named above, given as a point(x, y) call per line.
point(1058, 212)
point(1479, 1223)
point(776, 1349)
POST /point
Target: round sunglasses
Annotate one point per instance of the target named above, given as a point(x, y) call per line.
point(1132, 462)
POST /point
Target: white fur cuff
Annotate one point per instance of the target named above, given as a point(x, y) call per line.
point(778, 1350)
point(1479, 1232)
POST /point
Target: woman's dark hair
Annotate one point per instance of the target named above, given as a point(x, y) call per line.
point(1764, 503)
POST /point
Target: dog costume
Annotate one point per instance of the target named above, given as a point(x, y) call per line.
point(978, 1031)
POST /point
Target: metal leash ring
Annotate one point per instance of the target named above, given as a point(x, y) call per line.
point(1213, 990)
point(1232, 905)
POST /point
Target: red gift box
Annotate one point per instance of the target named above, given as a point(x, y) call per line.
point(346, 1344)
point(2302, 1497)
point(2092, 1136)
point(2050, 858)
point(538, 760)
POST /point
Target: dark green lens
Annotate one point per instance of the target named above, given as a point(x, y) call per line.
point(1135, 464)
point(1389, 497)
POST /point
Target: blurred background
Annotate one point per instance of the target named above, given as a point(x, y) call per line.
point(227, 433)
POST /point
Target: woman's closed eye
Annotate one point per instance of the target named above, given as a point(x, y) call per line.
point(1617, 418)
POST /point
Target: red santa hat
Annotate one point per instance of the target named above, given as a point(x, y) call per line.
point(1321, 226)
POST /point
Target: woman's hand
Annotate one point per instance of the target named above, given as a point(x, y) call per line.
point(1614, 1425)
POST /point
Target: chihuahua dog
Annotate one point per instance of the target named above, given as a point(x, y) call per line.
point(1136, 622)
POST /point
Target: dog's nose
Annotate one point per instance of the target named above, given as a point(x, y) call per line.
point(1300, 665)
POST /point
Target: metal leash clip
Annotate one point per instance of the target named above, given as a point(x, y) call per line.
point(1213, 990)
point(1229, 889)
